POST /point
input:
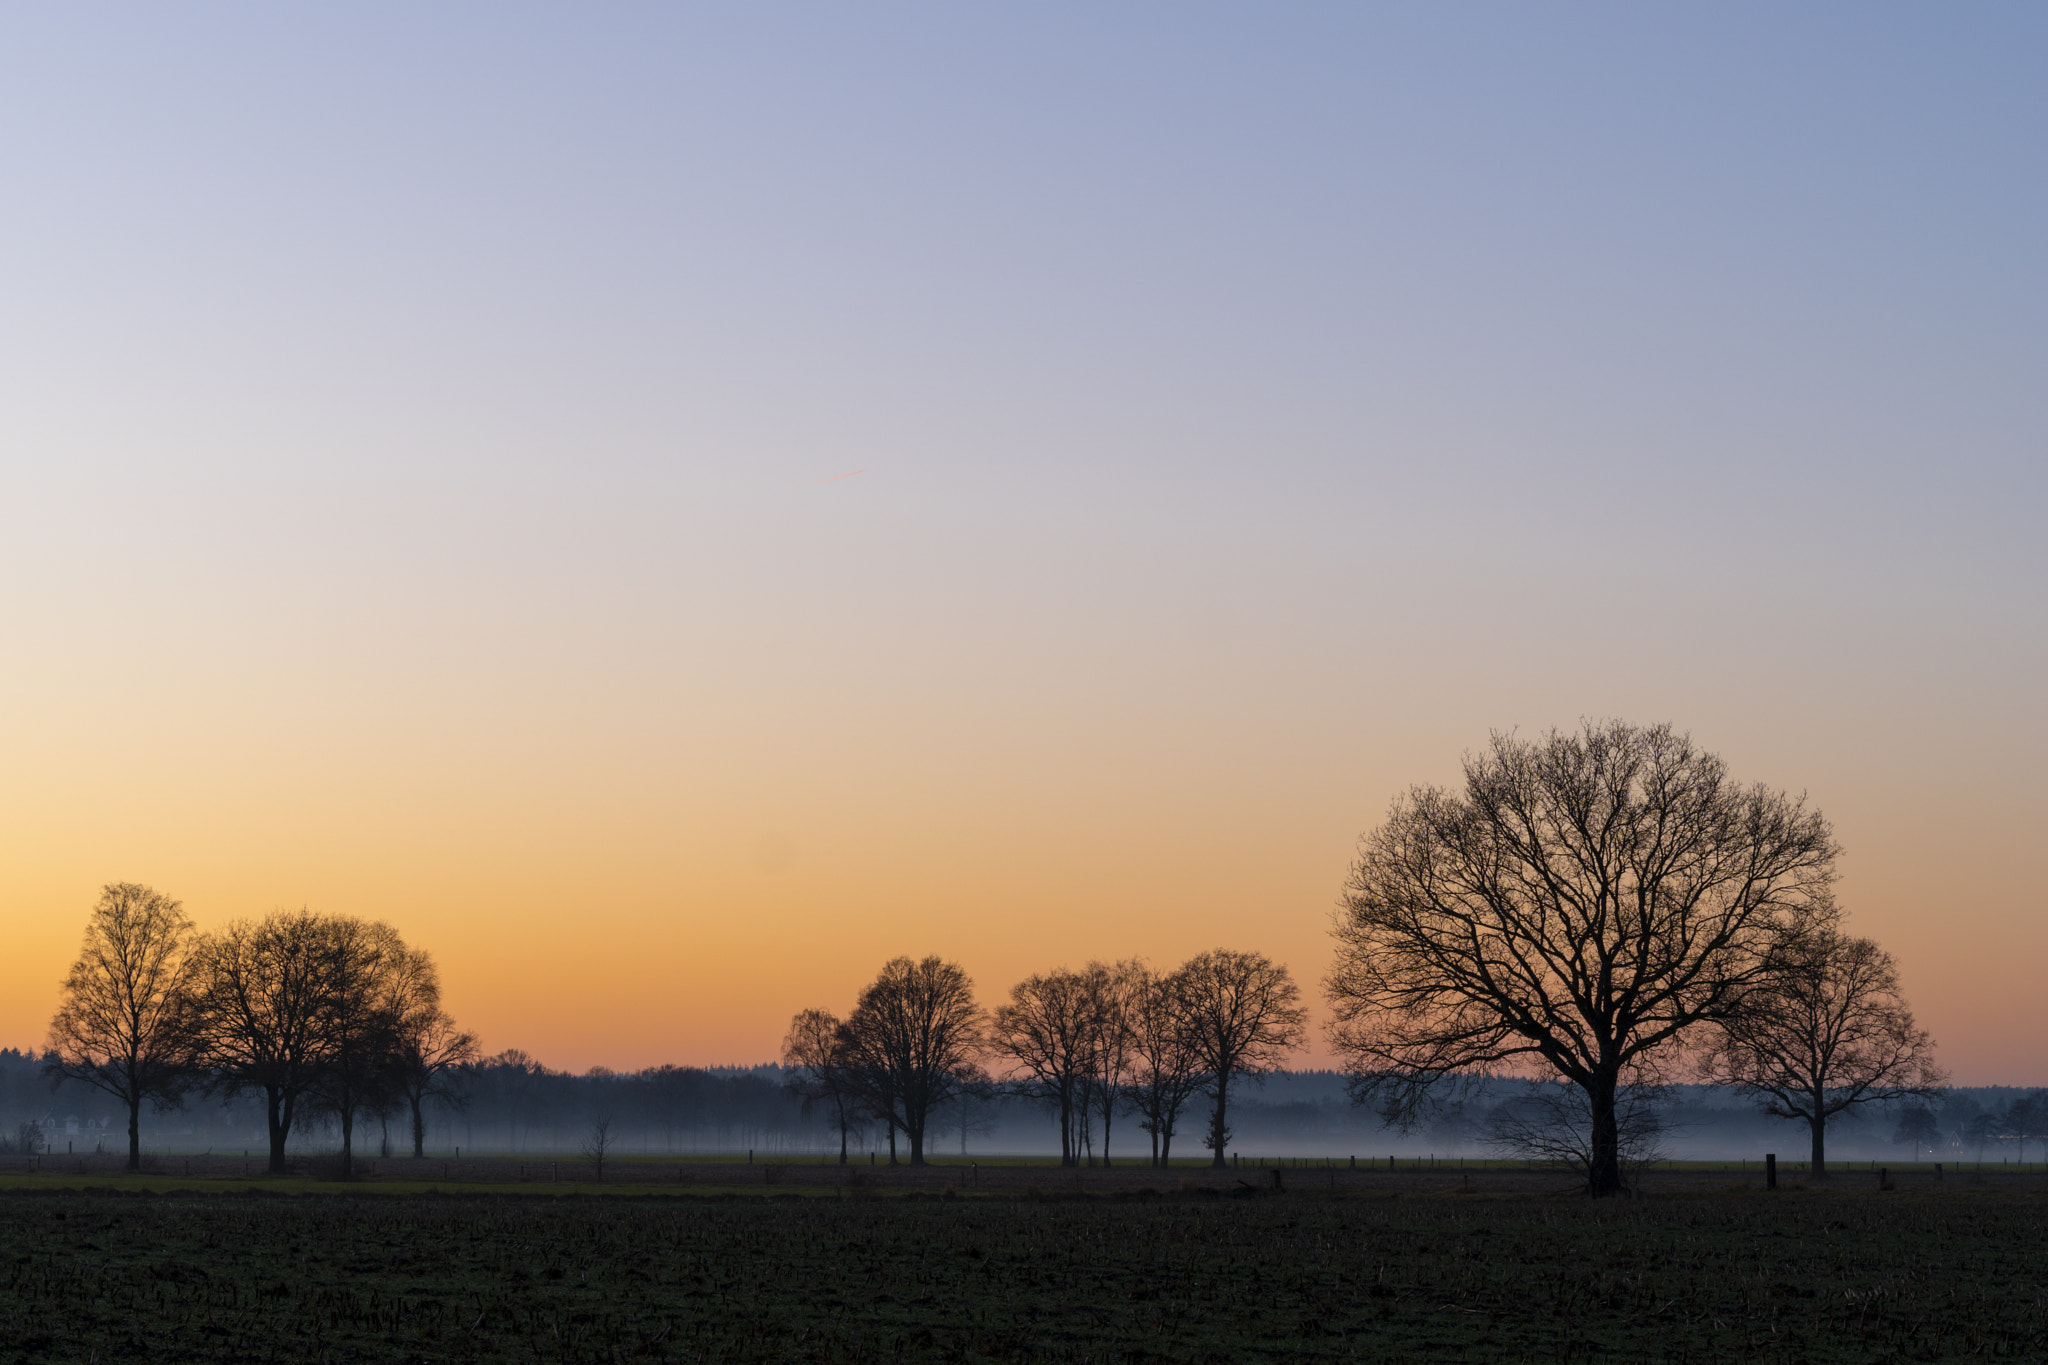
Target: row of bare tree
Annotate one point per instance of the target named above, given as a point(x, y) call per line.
point(320, 1013)
point(1109, 1039)
point(1605, 907)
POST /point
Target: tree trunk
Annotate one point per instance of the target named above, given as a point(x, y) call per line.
point(1603, 1172)
point(1155, 1142)
point(1819, 1124)
point(1105, 1134)
point(892, 1144)
point(1219, 1134)
point(916, 1136)
point(348, 1134)
point(277, 1111)
point(1066, 1128)
point(842, 1135)
point(419, 1128)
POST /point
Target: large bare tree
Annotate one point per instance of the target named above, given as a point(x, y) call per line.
point(117, 1028)
point(1049, 1030)
point(257, 1013)
point(912, 1041)
point(1242, 1016)
point(1829, 1032)
point(1582, 903)
point(1165, 1072)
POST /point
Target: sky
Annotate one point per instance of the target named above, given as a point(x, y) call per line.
point(419, 430)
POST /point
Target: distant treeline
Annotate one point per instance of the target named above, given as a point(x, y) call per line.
point(512, 1103)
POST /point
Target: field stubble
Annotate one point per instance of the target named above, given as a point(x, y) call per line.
point(1207, 1273)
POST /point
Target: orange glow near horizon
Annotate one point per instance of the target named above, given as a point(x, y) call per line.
point(618, 920)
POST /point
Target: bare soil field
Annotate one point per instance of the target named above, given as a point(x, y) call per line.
point(713, 1262)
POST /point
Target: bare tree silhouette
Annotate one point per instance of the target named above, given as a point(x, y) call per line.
point(361, 1016)
point(598, 1145)
point(2026, 1120)
point(912, 1042)
point(818, 1071)
point(257, 1015)
point(1113, 991)
point(1165, 1070)
point(1829, 1032)
point(1242, 1019)
point(1048, 1029)
point(118, 1028)
point(431, 1050)
point(1584, 902)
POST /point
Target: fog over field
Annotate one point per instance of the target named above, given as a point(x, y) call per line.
point(517, 1105)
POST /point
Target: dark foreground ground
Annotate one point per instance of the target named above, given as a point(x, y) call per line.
point(1127, 1275)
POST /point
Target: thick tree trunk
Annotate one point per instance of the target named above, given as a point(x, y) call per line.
point(1218, 1131)
point(842, 1135)
point(278, 1112)
point(916, 1136)
point(1066, 1129)
point(1155, 1143)
point(1603, 1173)
point(419, 1128)
point(348, 1147)
point(892, 1144)
point(1819, 1124)
point(1105, 1137)
point(135, 1132)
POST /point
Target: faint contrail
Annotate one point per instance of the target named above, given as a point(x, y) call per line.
point(834, 479)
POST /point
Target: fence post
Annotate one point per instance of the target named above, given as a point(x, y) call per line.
point(1770, 1170)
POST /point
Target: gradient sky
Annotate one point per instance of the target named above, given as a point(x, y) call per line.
point(410, 420)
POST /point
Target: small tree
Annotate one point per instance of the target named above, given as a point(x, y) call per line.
point(1113, 992)
point(2026, 1119)
point(432, 1053)
point(598, 1144)
point(1830, 1031)
point(1917, 1130)
point(1242, 1019)
point(360, 1019)
point(119, 1028)
point(1166, 1072)
point(816, 1072)
point(27, 1140)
